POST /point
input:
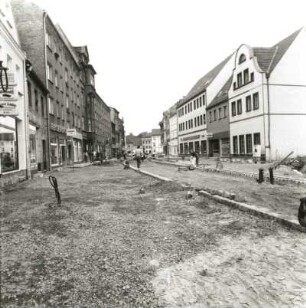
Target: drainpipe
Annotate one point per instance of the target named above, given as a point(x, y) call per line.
point(47, 102)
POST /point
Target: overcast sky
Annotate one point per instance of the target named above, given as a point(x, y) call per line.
point(149, 53)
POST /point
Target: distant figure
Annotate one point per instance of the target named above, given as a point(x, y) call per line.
point(124, 155)
point(192, 161)
point(138, 156)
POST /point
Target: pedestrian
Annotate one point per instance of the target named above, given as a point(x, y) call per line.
point(138, 156)
point(197, 158)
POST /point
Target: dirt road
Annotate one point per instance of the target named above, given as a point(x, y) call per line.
point(111, 246)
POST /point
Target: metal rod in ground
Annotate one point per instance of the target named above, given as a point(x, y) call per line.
point(271, 175)
point(260, 175)
point(54, 184)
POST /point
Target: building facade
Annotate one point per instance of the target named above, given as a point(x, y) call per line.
point(191, 110)
point(156, 143)
point(14, 158)
point(266, 99)
point(218, 132)
point(38, 123)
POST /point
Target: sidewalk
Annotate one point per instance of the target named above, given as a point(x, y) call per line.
point(281, 174)
point(279, 202)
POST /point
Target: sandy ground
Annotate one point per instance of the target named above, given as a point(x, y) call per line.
point(111, 246)
point(283, 199)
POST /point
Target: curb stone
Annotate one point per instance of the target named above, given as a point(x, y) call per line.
point(252, 209)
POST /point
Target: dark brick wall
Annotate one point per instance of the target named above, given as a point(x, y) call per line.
point(29, 23)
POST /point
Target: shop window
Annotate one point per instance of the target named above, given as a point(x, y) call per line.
point(248, 103)
point(249, 147)
point(241, 145)
point(255, 101)
point(9, 148)
point(256, 138)
point(32, 141)
point(54, 153)
point(235, 144)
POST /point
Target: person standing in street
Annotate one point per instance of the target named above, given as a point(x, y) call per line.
point(138, 156)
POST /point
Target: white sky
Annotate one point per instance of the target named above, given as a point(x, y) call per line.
point(149, 53)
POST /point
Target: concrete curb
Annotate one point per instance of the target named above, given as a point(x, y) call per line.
point(256, 210)
point(151, 174)
point(252, 209)
point(277, 179)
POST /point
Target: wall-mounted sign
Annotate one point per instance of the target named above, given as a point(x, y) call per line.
point(8, 102)
point(8, 105)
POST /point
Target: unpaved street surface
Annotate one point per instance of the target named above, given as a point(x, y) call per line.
point(283, 199)
point(111, 246)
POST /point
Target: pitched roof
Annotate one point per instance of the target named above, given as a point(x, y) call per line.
point(222, 94)
point(268, 58)
point(204, 82)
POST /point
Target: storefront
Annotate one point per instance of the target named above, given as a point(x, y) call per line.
point(75, 148)
point(193, 142)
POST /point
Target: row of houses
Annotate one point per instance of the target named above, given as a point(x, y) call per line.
point(149, 142)
point(253, 103)
point(50, 112)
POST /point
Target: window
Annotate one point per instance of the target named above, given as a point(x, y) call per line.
point(224, 111)
point(194, 104)
point(256, 138)
point(233, 109)
point(241, 144)
point(239, 106)
point(66, 75)
point(235, 144)
point(42, 106)
point(210, 116)
point(242, 58)
point(36, 100)
point(248, 103)
point(67, 102)
point(246, 76)
point(49, 72)
point(255, 101)
point(8, 139)
point(201, 120)
point(249, 147)
point(215, 115)
point(220, 113)
point(51, 107)
point(30, 94)
point(195, 122)
point(252, 76)
point(55, 79)
point(200, 101)
point(239, 80)
point(204, 119)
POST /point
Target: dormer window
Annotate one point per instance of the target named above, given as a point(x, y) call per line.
point(242, 58)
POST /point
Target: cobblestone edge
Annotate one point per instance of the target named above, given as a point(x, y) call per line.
point(252, 209)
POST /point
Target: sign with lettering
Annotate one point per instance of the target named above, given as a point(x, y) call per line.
point(8, 102)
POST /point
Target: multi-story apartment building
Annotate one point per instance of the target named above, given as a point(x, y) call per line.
point(146, 142)
point(267, 99)
point(173, 133)
point(118, 134)
point(156, 144)
point(218, 123)
point(14, 158)
point(57, 65)
point(38, 124)
point(191, 110)
point(96, 119)
point(165, 131)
